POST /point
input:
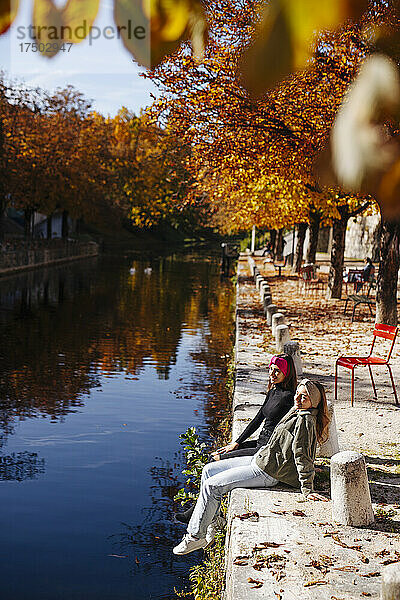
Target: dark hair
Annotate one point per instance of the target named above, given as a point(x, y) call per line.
point(290, 381)
point(323, 417)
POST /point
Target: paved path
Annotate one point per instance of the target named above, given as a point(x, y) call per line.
point(304, 555)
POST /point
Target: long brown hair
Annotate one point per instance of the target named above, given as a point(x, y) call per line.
point(290, 381)
point(323, 416)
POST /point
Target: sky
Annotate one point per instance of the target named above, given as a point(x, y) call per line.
point(104, 71)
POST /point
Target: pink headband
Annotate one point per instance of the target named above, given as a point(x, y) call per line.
point(281, 363)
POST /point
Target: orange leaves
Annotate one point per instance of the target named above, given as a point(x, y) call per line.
point(55, 157)
point(8, 12)
point(70, 24)
point(283, 43)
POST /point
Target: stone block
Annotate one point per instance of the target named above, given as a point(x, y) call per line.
point(391, 582)
point(277, 319)
point(293, 349)
point(351, 499)
point(267, 301)
point(282, 336)
point(264, 289)
point(271, 310)
point(259, 280)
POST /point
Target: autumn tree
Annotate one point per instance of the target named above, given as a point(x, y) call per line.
point(253, 157)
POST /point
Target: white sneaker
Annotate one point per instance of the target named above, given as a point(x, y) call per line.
point(189, 544)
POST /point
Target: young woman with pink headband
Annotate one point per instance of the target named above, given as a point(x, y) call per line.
point(278, 401)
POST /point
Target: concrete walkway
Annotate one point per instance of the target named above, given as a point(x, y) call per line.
point(289, 548)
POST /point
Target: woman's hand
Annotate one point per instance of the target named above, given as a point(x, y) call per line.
point(315, 496)
point(224, 449)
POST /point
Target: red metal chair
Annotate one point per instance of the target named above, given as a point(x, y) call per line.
point(388, 332)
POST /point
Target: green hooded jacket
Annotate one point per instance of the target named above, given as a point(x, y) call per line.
point(290, 453)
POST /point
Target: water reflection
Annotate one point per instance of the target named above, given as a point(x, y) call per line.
point(21, 466)
point(102, 364)
point(149, 542)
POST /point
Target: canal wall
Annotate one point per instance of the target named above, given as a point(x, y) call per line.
point(278, 545)
point(39, 254)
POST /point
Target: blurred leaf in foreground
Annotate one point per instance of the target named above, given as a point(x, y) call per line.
point(8, 12)
point(283, 43)
point(55, 26)
point(163, 24)
point(365, 156)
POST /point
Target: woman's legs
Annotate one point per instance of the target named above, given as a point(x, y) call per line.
point(248, 448)
point(219, 478)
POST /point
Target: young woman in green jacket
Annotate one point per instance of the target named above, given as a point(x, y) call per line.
point(288, 457)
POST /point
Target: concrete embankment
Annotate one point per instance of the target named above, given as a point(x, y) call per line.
point(39, 255)
point(278, 545)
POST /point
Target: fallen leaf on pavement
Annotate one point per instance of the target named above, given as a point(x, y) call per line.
point(257, 583)
point(316, 582)
point(364, 559)
point(241, 562)
point(329, 533)
point(253, 516)
point(270, 544)
point(337, 540)
point(279, 512)
point(390, 561)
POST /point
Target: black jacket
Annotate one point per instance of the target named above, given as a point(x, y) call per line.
point(277, 403)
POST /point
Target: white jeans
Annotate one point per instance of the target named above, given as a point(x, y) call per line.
point(217, 479)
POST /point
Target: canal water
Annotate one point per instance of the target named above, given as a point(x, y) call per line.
point(103, 363)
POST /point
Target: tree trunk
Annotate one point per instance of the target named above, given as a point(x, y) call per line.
point(273, 241)
point(389, 262)
point(279, 245)
point(49, 226)
point(335, 280)
point(64, 224)
point(298, 256)
point(315, 220)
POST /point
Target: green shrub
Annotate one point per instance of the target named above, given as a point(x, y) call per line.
point(196, 454)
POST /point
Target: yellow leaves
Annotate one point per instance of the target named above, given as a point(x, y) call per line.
point(169, 17)
point(283, 43)
point(164, 25)
point(55, 26)
point(306, 17)
point(8, 12)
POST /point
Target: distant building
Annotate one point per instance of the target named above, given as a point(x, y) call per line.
point(40, 225)
point(362, 239)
